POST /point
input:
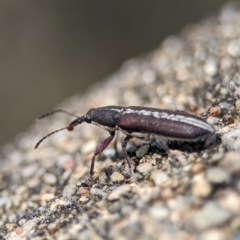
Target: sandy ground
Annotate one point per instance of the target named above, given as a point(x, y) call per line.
point(44, 193)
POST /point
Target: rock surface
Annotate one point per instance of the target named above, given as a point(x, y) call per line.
point(45, 193)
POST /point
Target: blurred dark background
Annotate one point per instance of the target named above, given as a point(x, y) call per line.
point(50, 50)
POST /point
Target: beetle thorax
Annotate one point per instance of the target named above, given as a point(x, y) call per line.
point(106, 117)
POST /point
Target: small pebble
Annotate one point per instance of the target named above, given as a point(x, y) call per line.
point(49, 179)
point(237, 103)
point(22, 221)
point(217, 175)
point(159, 177)
point(238, 185)
point(102, 178)
point(98, 192)
point(214, 111)
point(201, 187)
point(211, 215)
point(167, 193)
point(149, 194)
point(230, 201)
point(43, 209)
point(237, 93)
point(210, 68)
point(212, 120)
point(224, 105)
point(144, 167)
point(226, 63)
point(158, 211)
point(115, 194)
point(29, 170)
point(56, 203)
point(213, 234)
point(115, 207)
point(223, 91)
point(231, 139)
point(89, 147)
point(66, 175)
point(234, 49)
point(109, 153)
point(142, 150)
point(42, 226)
point(216, 157)
point(19, 230)
point(46, 197)
point(29, 225)
point(4, 201)
point(63, 159)
point(117, 177)
point(10, 226)
point(198, 167)
point(68, 203)
point(231, 162)
point(53, 227)
point(69, 190)
point(84, 191)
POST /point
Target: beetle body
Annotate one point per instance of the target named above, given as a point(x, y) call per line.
point(147, 124)
point(140, 122)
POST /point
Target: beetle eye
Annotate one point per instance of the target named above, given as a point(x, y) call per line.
point(88, 119)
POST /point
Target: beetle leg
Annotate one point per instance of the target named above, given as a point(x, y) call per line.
point(212, 140)
point(124, 145)
point(101, 146)
point(115, 143)
point(162, 145)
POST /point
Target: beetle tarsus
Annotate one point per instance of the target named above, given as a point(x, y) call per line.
point(101, 146)
point(124, 145)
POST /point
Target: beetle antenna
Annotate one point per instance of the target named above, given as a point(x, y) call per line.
point(38, 143)
point(56, 111)
point(70, 127)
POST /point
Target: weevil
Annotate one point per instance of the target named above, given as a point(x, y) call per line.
point(147, 124)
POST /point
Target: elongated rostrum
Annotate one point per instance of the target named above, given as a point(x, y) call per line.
point(147, 124)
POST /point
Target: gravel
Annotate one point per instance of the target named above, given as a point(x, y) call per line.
point(159, 177)
point(117, 177)
point(46, 194)
point(211, 215)
point(217, 175)
point(118, 192)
